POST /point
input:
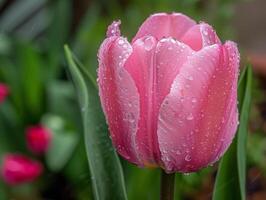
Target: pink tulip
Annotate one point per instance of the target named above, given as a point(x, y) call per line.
point(17, 169)
point(169, 96)
point(38, 139)
point(3, 92)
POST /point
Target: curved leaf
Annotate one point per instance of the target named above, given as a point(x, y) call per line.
point(105, 167)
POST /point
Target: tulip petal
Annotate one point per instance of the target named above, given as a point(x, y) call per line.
point(165, 25)
point(199, 36)
point(119, 95)
point(140, 66)
point(153, 66)
point(170, 57)
point(193, 118)
point(229, 125)
point(113, 29)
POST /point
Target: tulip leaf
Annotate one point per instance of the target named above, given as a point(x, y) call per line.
point(31, 72)
point(104, 164)
point(231, 177)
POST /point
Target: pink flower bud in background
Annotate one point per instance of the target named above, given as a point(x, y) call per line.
point(17, 169)
point(169, 96)
point(3, 92)
point(38, 139)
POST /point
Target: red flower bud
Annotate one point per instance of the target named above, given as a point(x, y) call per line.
point(17, 169)
point(3, 92)
point(38, 139)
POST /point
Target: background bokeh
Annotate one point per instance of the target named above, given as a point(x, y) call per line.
point(32, 64)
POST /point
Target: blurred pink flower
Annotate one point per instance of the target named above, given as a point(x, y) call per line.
point(17, 169)
point(3, 92)
point(169, 96)
point(38, 139)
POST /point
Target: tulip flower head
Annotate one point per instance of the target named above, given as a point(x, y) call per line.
point(18, 169)
point(169, 95)
point(3, 92)
point(38, 139)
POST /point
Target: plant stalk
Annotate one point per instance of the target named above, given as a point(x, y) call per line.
point(167, 186)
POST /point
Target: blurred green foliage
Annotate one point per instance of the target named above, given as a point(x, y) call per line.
point(32, 64)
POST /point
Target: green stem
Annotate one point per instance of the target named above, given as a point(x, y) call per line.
point(167, 186)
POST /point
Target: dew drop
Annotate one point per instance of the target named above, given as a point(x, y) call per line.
point(131, 117)
point(83, 109)
point(113, 29)
point(120, 74)
point(205, 33)
point(190, 78)
point(167, 159)
point(170, 48)
point(120, 42)
point(190, 117)
point(149, 43)
point(125, 46)
point(194, 100)
point(188, 158)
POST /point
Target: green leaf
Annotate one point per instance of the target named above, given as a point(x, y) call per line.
point(107, 176)
point(31, 78)
point(3, 192)
point(231, 177)
point(63, 144)
point(243, 132)
point(57, 33)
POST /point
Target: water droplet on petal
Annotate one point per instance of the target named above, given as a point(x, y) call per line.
point(193, 100)
point(149, 43)
point(120, 73)
point(113, 29)
point(190, 117)
point(205, 32)
point(131, 117)
point(170, 48)
point(188, 158)
point(125, 45)
point(120, 41)
point(190, 78)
